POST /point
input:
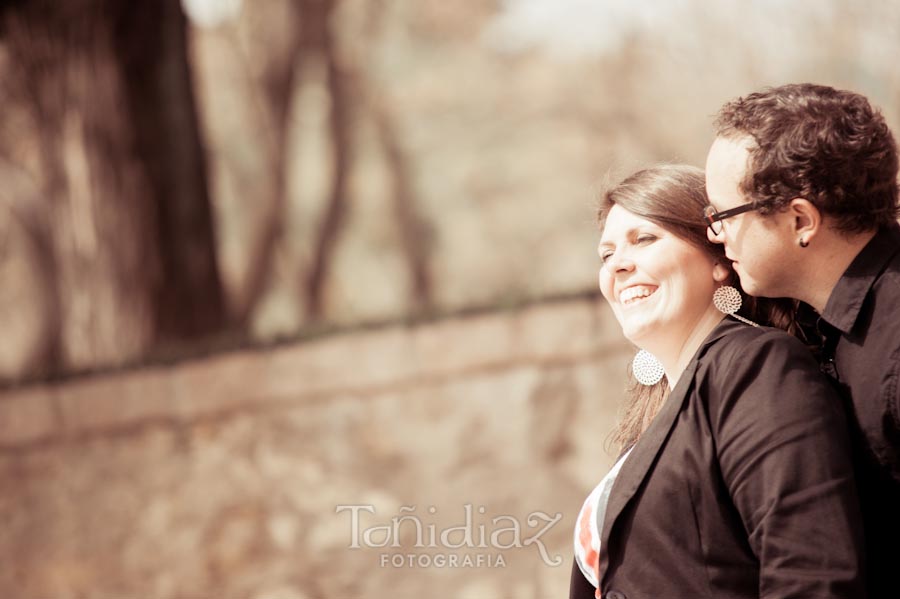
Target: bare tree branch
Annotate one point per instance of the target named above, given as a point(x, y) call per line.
point(412, 228)
point(339, 86)
point(274, 93)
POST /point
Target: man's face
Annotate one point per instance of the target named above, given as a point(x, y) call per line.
point(760, 246)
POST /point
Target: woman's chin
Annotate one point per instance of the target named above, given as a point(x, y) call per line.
point(637, 334)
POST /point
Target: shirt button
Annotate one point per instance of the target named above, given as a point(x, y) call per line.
point(615, 595)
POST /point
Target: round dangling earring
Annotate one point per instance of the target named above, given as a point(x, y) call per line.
point(646, 368)
point(803, 243)
point(728, 300)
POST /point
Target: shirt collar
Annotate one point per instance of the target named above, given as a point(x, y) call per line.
point(848, 295)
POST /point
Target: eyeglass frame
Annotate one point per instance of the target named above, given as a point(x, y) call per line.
point(713, 216)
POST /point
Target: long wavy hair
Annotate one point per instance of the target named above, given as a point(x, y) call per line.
point(673, 196)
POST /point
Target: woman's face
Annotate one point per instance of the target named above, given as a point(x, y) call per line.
point(659, 286)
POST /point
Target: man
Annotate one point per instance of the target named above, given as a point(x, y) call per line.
point(802, 181)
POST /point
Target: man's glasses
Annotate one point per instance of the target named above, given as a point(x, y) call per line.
point(714, 218)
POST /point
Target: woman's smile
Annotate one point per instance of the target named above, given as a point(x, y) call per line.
point(636, 294)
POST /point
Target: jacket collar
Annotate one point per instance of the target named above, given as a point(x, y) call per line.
point(847, 297)
point(638, 464)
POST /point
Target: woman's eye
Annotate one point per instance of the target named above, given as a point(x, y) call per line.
point(646, 238)
point(605, 256)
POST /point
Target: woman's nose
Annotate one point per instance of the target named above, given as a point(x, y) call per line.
point(620, 263)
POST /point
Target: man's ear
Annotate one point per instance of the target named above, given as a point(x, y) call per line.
point(806, 219)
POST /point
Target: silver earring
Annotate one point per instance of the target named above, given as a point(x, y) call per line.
point(646, 368)
point(728, 300)
point(803, 243)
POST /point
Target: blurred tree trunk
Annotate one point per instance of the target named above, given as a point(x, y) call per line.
point(151, 45)
point(126, 215)
point(23, 200)
point(317, 33)
point(277, 83)
point(352, 92)
point(413, 227)
point(313, 40)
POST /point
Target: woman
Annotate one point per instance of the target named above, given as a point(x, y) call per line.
point(735, 479)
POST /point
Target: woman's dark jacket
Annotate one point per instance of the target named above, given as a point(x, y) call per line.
point(740, 487)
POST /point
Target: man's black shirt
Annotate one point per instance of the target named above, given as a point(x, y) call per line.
point(860, 349)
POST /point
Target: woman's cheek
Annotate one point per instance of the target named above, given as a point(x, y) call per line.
point(605, 283)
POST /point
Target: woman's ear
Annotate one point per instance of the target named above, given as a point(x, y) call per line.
point(721, 273)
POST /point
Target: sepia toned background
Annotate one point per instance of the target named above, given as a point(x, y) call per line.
point(263, 258)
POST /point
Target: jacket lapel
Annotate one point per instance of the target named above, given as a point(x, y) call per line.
point(642, 456)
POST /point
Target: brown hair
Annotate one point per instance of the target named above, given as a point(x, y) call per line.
point(826, 145)
point(673, 197)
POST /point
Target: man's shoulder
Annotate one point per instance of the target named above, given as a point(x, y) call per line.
point(744, 344)
point(886, 286)
point(877, 328)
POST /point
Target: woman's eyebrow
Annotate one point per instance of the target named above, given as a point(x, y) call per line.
point(630, 233)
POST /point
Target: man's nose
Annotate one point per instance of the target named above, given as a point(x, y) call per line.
point(715, 237)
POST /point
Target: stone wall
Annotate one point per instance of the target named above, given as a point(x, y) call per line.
point(222, 477)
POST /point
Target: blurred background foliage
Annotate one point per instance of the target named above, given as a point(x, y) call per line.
point(181, 176)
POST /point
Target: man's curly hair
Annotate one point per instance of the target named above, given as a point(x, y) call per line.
point(826, 145)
